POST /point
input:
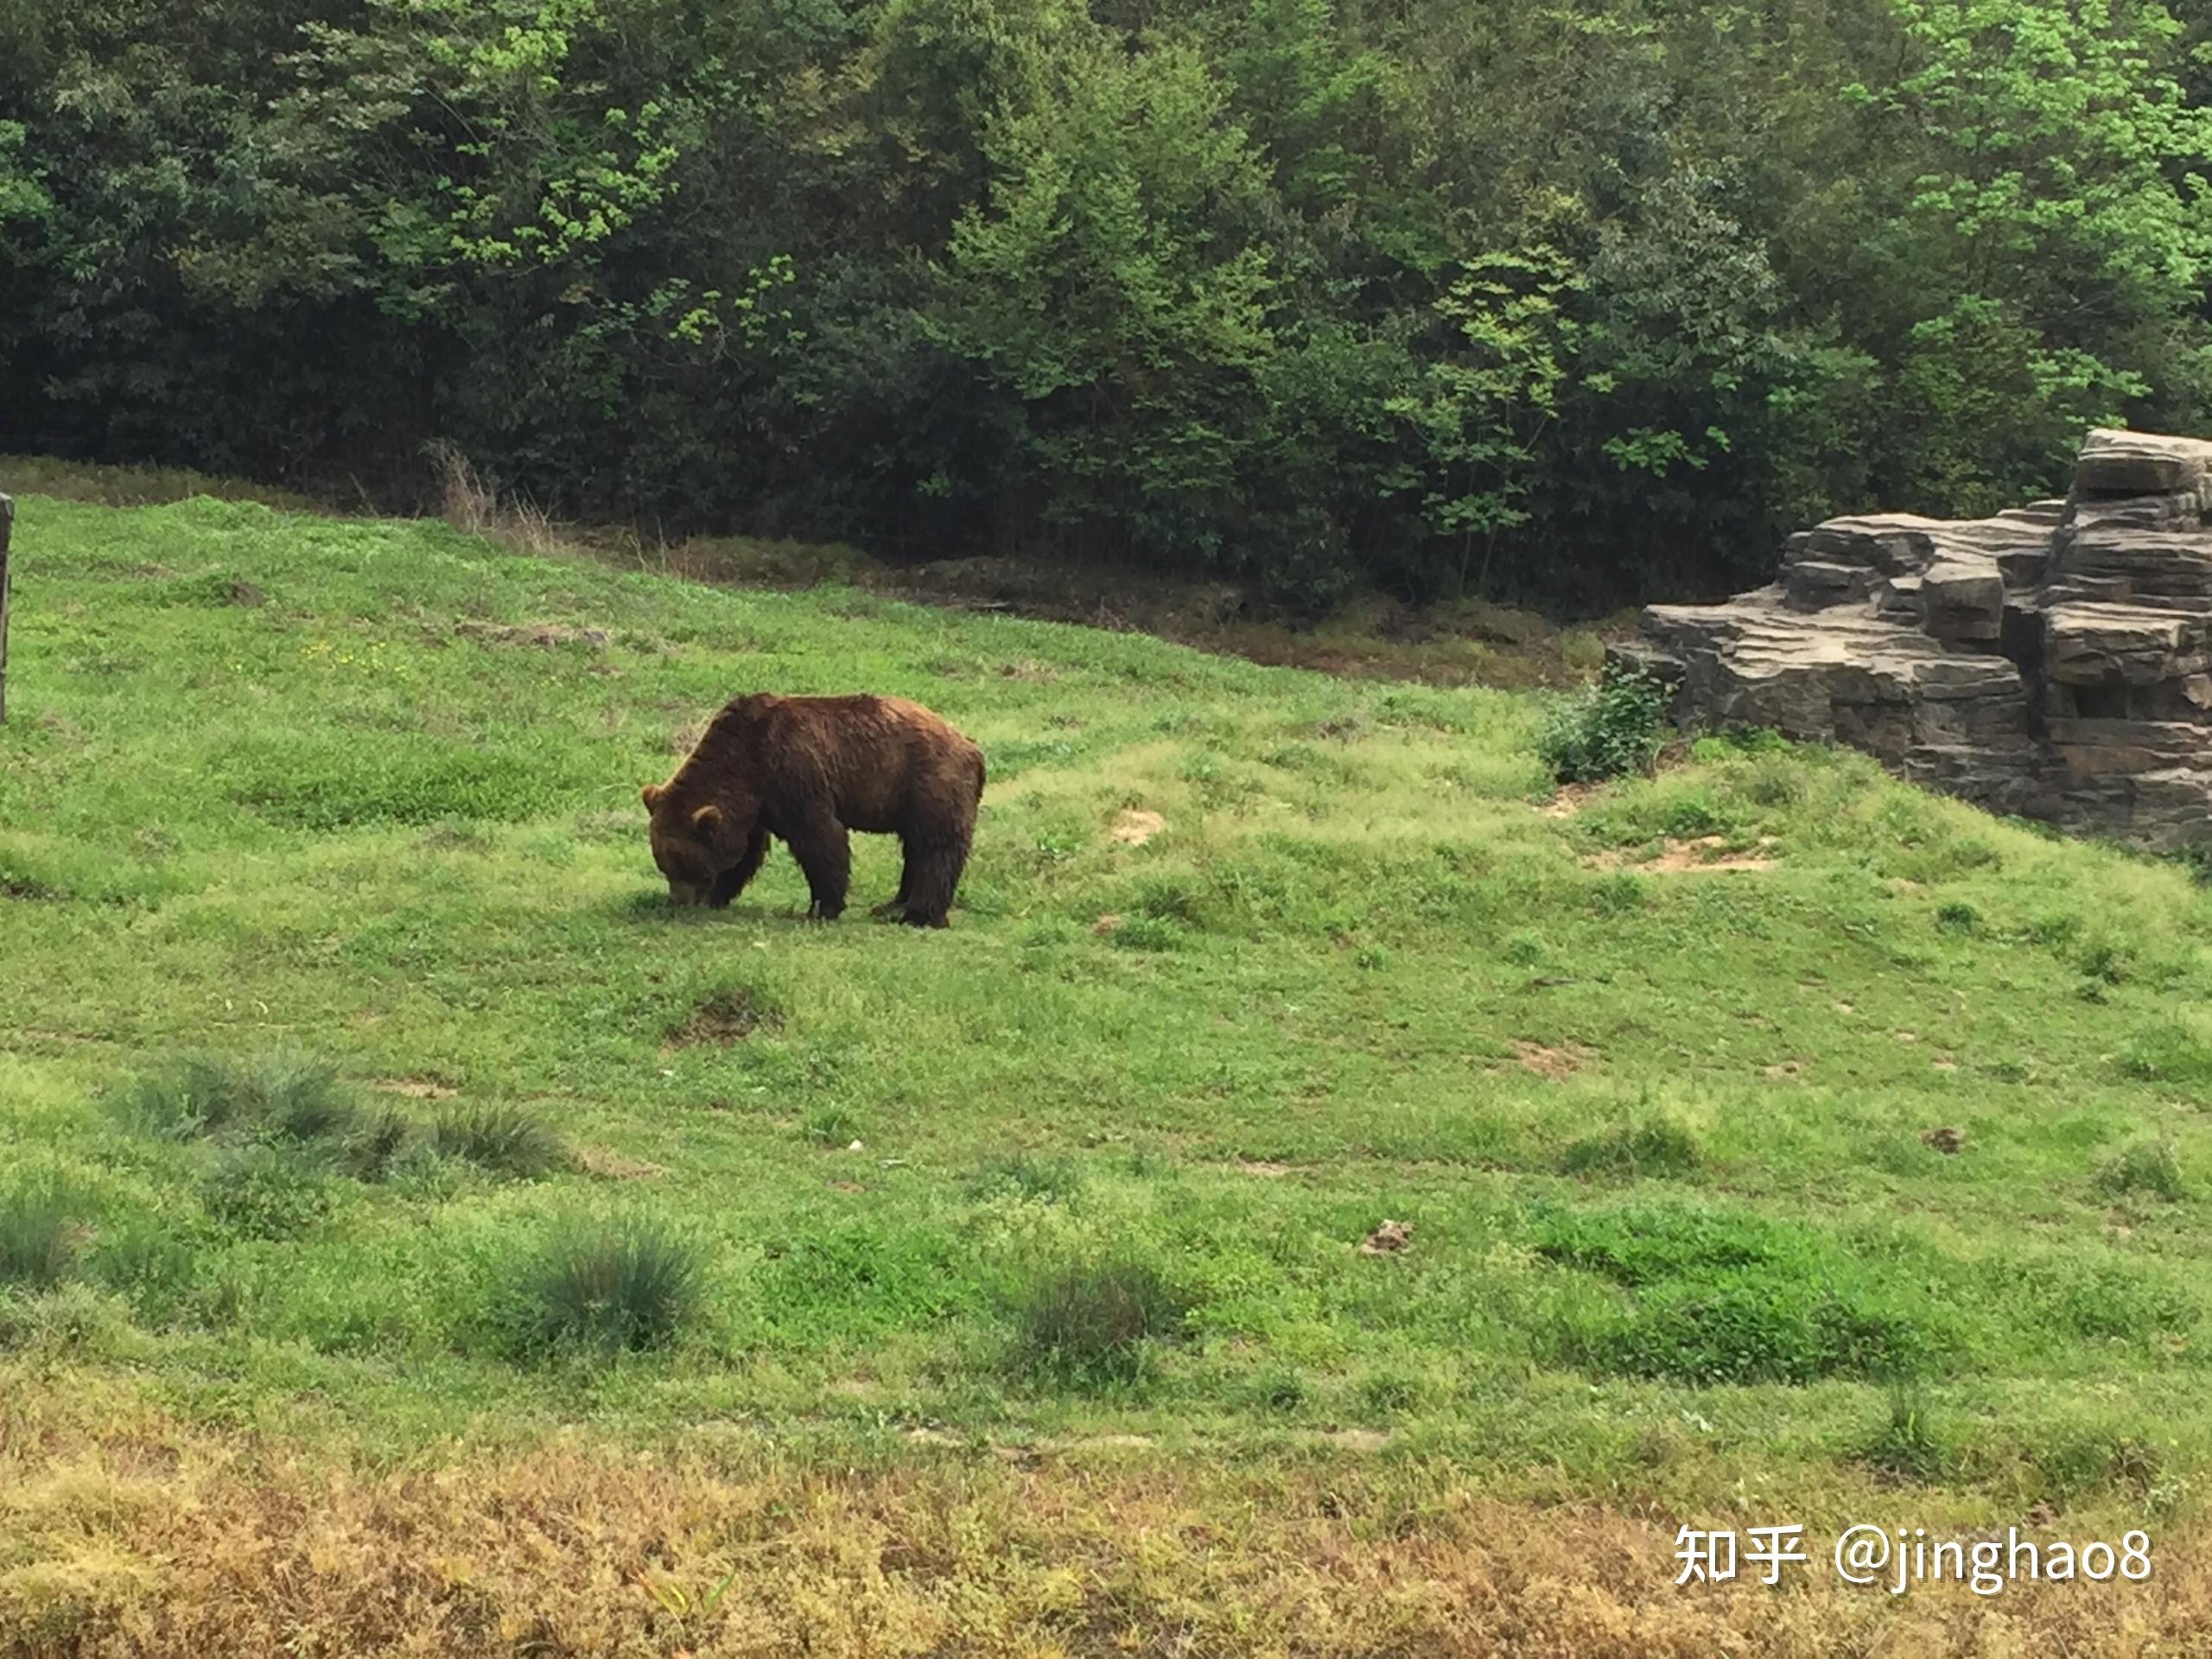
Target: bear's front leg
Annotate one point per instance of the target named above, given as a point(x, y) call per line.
point(732, 882)
point(824, 853)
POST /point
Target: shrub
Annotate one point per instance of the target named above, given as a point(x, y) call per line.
point(1610, 728)
point(505, 1139)
point(610, 1289)
point(1100, 1322)
point(2151, 1166)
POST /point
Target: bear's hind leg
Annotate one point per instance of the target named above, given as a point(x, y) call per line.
point(936, 875)
point(824, 853)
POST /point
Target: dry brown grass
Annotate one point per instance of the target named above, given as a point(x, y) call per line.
point(126, 1533)
point(475, 505)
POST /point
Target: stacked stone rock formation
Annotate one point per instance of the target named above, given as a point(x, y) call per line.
point(2054, 661)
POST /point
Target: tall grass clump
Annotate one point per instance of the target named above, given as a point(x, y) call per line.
point(1099, 1323)
point(1613, 727)
point(1648, 1145)
point(504, 1139)
point(284, 1096)
point(39, 1234)
point(608, 1289)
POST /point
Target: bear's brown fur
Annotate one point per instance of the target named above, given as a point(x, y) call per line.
point(807, 769)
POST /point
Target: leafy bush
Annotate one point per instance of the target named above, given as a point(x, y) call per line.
point(1610, 728)
point(506, 1139)
point(1100, 1322)
point(609, 1289)
point(257, 1190)
point(2151, 1166)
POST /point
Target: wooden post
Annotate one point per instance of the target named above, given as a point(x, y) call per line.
point(7, 525)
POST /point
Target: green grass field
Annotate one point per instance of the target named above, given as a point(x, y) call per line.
point(1082, 1182)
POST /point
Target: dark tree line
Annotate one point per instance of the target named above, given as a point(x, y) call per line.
point(1573, 299)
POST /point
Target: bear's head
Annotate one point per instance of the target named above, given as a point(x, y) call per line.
point(689, 842)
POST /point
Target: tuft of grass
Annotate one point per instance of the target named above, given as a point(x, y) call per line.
point(829, 1126)
point(505, 1139)
point(1100, 1322)
point(284, 1095)
point(1613, 727)
point(1653, 1145)
point(604, 1289)
point(1909, 1445)
point(376, 1145)
point(40, 1234)
point(2144, 1166)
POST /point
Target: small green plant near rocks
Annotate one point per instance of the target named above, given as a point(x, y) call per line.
point(829, 1126)
point(2151, 1167)
point(1102, 1322)
point(1613, 727)
point(607, 1289)
point(504, 1139)
point(1653, 1145)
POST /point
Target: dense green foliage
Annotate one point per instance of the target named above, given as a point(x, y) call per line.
point(1613, 727)
point(1575, 298)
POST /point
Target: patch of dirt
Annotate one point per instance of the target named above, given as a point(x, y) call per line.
point(1357, 1439)
point(1947, 1140)
point(1556, 1063)
point(1263, 1168)
point(1571, 799)
point(545, 635)
point(1105, 925)
point(1391, 1238)
point(416, 1088)
point(1135, 827)
point(1785, 1069)
point(725, 1017)
point(613, 1166)
point(1678, 857)
point(1037, 673)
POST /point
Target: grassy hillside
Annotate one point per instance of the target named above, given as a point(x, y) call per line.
point(1036, 1240)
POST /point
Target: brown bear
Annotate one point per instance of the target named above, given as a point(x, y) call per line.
point(809, 769)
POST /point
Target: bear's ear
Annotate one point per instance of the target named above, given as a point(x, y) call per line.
point(650, 794)
point(707, 819)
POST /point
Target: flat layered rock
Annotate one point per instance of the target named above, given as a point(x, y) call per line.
point(2053, 660)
